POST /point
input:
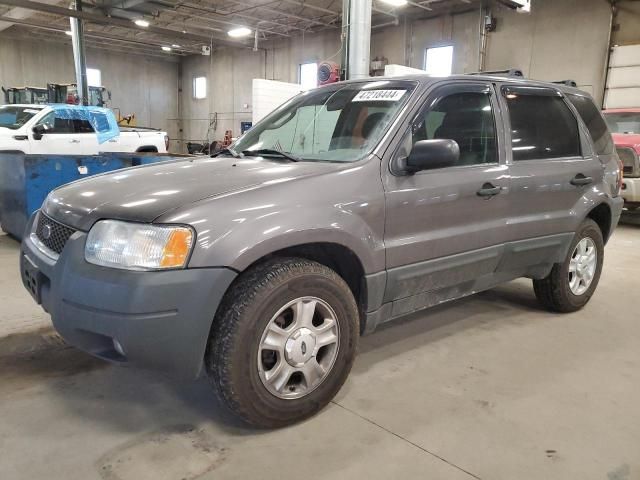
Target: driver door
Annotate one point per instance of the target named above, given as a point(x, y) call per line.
point(60, 137)
point(444, 228)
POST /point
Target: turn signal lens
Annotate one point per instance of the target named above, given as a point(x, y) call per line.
point(177, 249)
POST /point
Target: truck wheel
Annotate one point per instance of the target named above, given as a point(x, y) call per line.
point(571, 284)
point(283, 342)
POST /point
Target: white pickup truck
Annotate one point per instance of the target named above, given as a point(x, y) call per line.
point(40, 129)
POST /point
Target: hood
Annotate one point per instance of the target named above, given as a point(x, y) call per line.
point(144, 193)
point(627, 140)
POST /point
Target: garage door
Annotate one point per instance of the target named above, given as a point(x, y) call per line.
point(623, 82)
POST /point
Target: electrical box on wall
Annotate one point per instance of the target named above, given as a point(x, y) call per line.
point(490, 23)
point(206, 50)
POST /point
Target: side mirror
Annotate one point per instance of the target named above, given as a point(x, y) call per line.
point(39, 131)
point(432, 154)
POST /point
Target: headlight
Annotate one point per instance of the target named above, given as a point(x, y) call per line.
point(138, 246)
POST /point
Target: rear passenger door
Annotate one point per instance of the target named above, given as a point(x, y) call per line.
point(551, 163)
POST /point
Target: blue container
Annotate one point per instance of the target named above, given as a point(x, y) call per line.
point(26, 180)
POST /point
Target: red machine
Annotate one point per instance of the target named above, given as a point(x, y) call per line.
point(328, 72)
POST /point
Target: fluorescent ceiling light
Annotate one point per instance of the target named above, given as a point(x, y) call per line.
point(166, 49)
point(141, 22)
point(395, 3)
point(68, 32)
point(175, 46)
point(239, 32)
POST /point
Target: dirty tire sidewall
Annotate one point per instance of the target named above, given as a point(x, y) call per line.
point(554, 290)
point(232, 358)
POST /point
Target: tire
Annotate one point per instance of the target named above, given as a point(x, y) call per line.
point(554, 291)
point(238, 363)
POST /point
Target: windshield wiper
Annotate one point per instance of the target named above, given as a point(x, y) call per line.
point(230, 151)
point(272, 151)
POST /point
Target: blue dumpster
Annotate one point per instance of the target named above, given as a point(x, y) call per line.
point(26, 180)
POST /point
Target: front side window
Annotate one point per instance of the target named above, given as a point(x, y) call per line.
point(468, 119)
point(56, 125)
point(595, 123)
point(339, 123)
point(82, 126)
point(542, 126)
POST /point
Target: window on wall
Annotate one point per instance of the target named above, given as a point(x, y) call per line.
point(199, 88)
point(94, 77)
point(438, 61)
point(308, 75)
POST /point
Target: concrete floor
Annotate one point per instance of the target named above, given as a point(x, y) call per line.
point(488, 387)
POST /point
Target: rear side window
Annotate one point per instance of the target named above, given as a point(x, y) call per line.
point(595, 123)
point(542, 126)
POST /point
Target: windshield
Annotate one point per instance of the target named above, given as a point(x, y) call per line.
point(339, 123)
point(623, 122)
point(15, 117)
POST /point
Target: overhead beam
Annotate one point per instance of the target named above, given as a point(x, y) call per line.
point(202, 10)
point(100, 36)
point(97, 18)
point(281, 12)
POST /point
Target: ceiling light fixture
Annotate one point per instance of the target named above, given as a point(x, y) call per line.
point(166, 49)
point(395, 3)
point(141, 22)
point(68, 32)
point(175, 46)
point(239, 32)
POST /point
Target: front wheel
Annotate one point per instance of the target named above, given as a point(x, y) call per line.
point(571, 284)
point(283, 342)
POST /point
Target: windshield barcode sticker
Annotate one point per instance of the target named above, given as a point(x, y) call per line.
point(379, 96)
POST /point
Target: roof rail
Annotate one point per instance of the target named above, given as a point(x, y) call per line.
point(512, 72)
point(568, 83)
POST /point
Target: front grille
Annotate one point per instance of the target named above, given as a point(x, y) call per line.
point(629, 159)
point(52, 234)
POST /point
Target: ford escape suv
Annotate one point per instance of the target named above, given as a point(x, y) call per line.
point(348, 206)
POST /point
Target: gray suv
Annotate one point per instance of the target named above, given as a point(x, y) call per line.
point(349, 206)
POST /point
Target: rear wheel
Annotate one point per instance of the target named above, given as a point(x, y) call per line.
point(571, 284)
point(283, 342)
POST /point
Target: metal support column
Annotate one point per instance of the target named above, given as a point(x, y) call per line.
point(357, 20)
point(79, 58)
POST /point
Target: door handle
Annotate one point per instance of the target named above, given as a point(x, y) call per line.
point(489, 190)
point(73, 140)
point(580, 180)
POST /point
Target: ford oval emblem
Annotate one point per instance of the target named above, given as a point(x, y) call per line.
point(46, 232)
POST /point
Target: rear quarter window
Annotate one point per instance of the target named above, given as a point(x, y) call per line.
point(596, 125)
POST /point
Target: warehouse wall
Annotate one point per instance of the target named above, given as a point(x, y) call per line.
point(230, 73)
point(560, 39)
point(141, 85)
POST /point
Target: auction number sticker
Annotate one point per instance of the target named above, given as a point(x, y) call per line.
point(379, 95)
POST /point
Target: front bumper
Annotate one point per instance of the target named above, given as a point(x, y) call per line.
point(159, 320)
point(631, 190)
